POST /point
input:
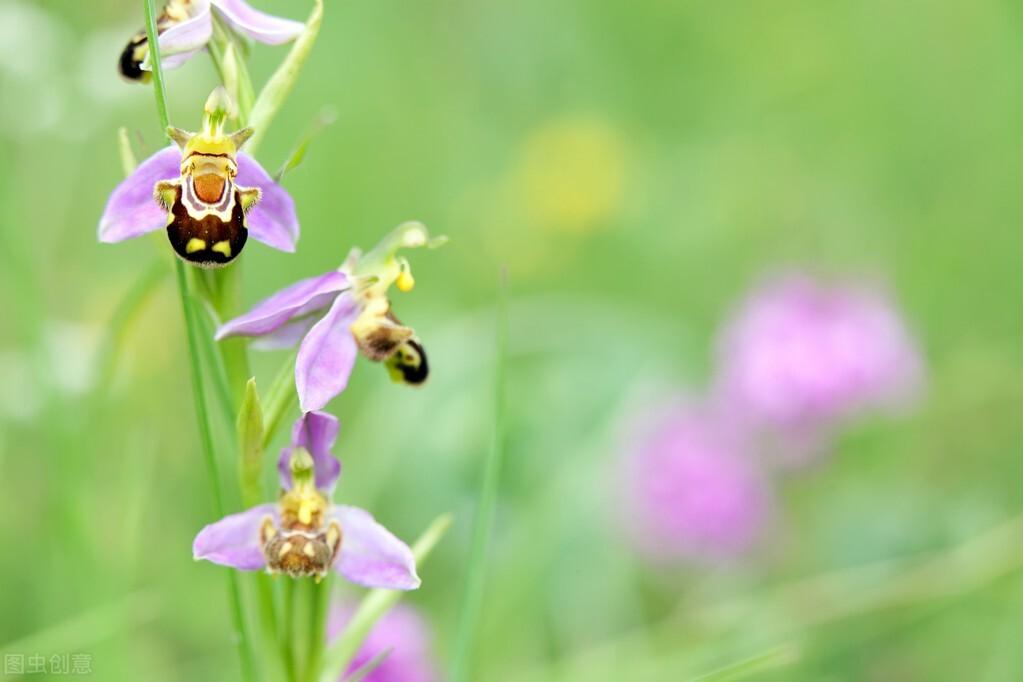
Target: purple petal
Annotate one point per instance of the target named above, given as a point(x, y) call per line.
point(287, 335)
point(301, 298)
point(316, 432)
point(403, 633)
point(272, 220)
point(258, 25)
point(175, 60)
point(370, 555)
point(131, 209)
point(326, 356)
point(187, 37)
point(234, 540)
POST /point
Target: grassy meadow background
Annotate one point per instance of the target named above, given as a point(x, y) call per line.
point(636, 166)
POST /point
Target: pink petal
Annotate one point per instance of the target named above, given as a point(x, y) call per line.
point(317, 433)
point(370, 555)
point(301, 298)
point(257, 25)
point(234, 540)
point(272, 220)
point(187, 37)
point(326, 356)
point(131, 209)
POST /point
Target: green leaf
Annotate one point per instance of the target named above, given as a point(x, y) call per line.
point(250, 444)
point(483, 521)
point(776, 657)
point(326, 118)
point(283, 80)
point(128, 161)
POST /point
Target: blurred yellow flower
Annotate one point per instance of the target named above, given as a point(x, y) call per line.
point(571, 174)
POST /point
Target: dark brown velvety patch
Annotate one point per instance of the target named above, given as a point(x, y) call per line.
point(211, 230)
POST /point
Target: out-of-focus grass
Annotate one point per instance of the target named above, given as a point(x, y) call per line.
point(686, 147)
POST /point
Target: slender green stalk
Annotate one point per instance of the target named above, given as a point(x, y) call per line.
point(159, 89)
point(779, 656)
point(280, 399)
point(209, 453)
point(215, 362)
point(288, 630)
point(319, 599)
point(199, 394)
point(227, 58)
point(85, 630)
point(370, 665)
point(126, 310)
point(375, 604)
point(128, 161)
point(472, 597)
point(276, 90)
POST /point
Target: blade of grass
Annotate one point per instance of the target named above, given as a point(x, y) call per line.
point(276, 90)
point(84, 630)
point(475, 581)
point(319, 600)
point(775, 657)
point(371, 665)
point(374, 605)
point(127, 308)
point(288, 630)
point(198, 390)
point(279, 399)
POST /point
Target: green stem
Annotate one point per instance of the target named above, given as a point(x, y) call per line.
point(226, 53)
point(319, 598)
point(209, 453)
point(199, 394)
point(215, 361)
point(276, 90)
point(288, 630)
point(280, 399)
point(123, 314)
point(472, 597)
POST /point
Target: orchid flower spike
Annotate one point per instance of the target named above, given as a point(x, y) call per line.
point(341, 313)
point(185, 27)
point(208, 195)
point(305, 534)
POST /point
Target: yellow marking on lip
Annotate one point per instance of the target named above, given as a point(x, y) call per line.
point(195, 244)
point(223, 247)
point(309, 551)
point(285, 548)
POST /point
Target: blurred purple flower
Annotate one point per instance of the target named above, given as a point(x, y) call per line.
point(403, 633)
point(692, 491)
point(335, 315)
point(800, 357)
point(304, 533)
point(185, 27)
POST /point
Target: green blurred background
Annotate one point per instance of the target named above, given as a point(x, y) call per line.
point(636, 166)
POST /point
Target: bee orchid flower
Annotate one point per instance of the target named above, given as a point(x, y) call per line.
point(186, 26)
point(304, 534)
point(208, 195)
point(339, 314)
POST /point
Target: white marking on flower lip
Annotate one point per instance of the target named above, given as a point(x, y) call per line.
point(198, 209)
